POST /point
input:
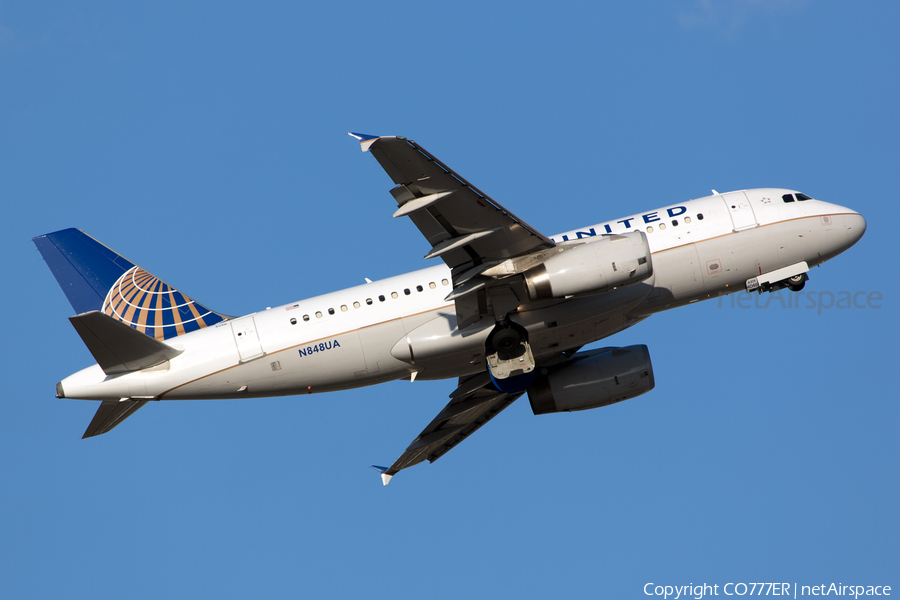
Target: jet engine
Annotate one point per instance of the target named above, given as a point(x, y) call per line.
point(598, 266)
point(592, 379)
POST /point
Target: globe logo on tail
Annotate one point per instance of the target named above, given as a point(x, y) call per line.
point(153, 307)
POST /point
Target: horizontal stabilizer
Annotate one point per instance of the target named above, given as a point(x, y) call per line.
point(118, 348)
point(110, 414)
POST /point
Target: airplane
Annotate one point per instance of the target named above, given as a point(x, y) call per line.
point(506, 313)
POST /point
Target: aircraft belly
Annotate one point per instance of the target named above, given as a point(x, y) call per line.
point(580, 321)
point(437, 350)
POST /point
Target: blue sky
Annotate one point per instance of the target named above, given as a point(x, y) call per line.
point(208, 144)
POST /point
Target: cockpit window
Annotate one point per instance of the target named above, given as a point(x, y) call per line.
point(802, 197)
point(788, 197)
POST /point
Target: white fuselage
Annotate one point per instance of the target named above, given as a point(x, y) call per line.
point(401, 326)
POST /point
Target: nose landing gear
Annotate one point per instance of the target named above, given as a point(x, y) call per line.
point(796, 283)
point(509, 357)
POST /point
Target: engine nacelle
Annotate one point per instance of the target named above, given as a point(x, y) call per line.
point(598, 266)
point(592, 379)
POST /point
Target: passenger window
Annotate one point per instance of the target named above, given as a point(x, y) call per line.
point(432, 285)
point(293, 321)
point(699, 216)
point(802, 197)
point(394, 295)
point(343, 308)
point(406, 292)
point(662, 226)
point(306, 317)
point(649, 229)
point(687, 219)
point(788, 197)
point(318, 314)
point(419, 288)
point(381, 298)
point(356, 304)
point(444, 282)
point(674, 222)
point(330, 311)
point(369, 301)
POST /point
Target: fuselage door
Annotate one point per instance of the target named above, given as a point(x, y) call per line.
point(740, 210)
point(246, 338)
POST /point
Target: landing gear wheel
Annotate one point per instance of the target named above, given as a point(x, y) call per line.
point(506, 340)
point(796, 283)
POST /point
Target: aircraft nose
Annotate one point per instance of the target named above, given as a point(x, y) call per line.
point(856, 227)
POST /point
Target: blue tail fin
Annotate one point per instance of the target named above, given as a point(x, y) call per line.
point(95, 277)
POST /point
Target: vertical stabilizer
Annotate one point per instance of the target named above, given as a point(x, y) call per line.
point(95, 277)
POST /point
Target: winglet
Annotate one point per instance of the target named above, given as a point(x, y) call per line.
point(365, 141)
point(385, 478)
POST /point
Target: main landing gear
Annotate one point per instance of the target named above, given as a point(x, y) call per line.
point(509, 358)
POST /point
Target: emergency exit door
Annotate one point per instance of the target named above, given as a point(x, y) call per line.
point(246, 338)
point(740, 210)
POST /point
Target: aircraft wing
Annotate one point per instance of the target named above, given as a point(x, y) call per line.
point(468, 230)
point(463, 224)
point(472, 404)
